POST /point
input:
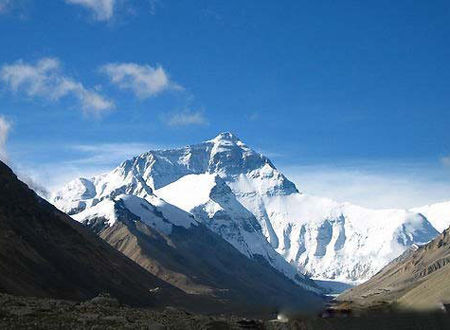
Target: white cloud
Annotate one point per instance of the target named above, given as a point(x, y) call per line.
point(145, 81)
point(374, 185)
point(187, 118)
point(5, 126)
point(102, 10)
point(45, 79)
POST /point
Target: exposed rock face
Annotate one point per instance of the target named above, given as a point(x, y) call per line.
point(419, 279)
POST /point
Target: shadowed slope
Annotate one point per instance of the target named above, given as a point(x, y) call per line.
point(45, 253)
point(201, 262)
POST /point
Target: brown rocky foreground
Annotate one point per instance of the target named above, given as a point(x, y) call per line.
point(104, 312)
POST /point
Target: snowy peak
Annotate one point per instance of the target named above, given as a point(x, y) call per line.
point(224, 155)
point(438, 214)
point(226, 138)
point(70, 198)
point(230, 156)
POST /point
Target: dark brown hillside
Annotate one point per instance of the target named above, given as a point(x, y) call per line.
point(199, 261)
point(44, 253)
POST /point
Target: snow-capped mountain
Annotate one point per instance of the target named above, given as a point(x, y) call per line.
point(438, 214)
point(239, 194)
point(97, 202)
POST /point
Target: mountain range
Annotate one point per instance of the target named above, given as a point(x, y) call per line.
point(224, 187)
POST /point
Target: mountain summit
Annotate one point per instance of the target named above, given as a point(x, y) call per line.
point(240, 195)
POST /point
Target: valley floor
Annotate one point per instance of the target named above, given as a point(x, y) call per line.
point(104, 312)
point(332, 288)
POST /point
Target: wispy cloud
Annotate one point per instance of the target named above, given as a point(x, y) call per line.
point(186, 118)
point(5, 126)
point(144, 80)
point(103, 10)
point(46, 79)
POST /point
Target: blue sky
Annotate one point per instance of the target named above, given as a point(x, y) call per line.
point(349, 98)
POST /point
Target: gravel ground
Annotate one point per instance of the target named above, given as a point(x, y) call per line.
point(104, 312)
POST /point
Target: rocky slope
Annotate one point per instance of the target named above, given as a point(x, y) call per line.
point(45, 253)
point(172, 245)
point(418, 279)
point(239, 194)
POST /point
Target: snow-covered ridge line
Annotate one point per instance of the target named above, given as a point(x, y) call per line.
point(241, 195)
